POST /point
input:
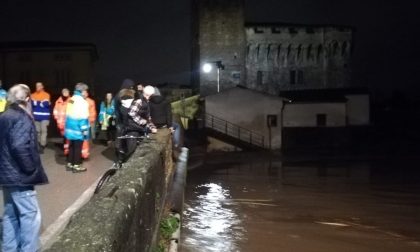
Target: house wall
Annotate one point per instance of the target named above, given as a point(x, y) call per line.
point(249, 109)
point(358, 110)
point(56, 68)
point(305, 114)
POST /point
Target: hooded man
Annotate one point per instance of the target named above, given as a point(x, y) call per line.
point(161, 114)
point(122, 101)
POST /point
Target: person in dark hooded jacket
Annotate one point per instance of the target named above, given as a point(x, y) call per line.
point(161, 114)
point(128, 130)
point(160, 111)
point(20, 170)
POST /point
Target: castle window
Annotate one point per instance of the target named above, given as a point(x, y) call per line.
point(62, 57)
point(293, 30)
point(278, 51)
point(258, 30)
point(268, 51)
point(309, 52)
point(310, 30)
point(319, 52)
point(299, 52)
point(321, 120)
point(335, 48)
point(296, 77)
point(258, 51)
point(275, 30)
point(259, 78)
point(344, 49)
point(289, 50)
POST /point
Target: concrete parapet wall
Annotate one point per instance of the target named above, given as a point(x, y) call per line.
point(125, 214)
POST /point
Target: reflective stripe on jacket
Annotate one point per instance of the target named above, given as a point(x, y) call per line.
point(41, 104)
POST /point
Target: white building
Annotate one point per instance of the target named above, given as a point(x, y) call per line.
point(296, 118)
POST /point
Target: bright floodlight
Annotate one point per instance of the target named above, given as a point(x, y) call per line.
point(207, 68)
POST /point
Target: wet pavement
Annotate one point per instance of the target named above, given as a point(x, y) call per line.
point(66, 187)
point(254, 204)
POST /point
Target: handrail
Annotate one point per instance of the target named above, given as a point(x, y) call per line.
point(233, 130)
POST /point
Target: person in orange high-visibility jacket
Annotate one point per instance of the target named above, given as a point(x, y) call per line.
point(59, 111)
point(92, 120)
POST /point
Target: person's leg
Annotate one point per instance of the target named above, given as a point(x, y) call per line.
point(70, 158)
point(11, 229)
point(85, 149)
point(131, 144)
point(108, 135)
point(38, 131)
point(112, 134)
point(29, 217)
point(78, 156)
point(66, 146)
point(93, 131)
point(44, 132)
point(78, 152)
point(119, 146)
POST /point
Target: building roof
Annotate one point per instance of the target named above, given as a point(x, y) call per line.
point(322, 95)
point(283, 24)
point(240, 87)
point(46, 45)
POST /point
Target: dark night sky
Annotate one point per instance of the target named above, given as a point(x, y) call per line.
point(149, 40)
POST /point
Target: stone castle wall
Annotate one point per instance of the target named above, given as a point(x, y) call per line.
point(221, 36)
point(267, 57)
point(281, 57)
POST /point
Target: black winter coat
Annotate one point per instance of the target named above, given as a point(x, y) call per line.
point(160, 111)
point(20, 163)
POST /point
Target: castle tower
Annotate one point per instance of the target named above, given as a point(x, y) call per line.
point(218, 35)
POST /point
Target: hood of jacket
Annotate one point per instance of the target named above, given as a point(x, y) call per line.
point(157, 99)
point(127, 84)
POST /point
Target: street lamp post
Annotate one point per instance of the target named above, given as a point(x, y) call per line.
point(207, 68)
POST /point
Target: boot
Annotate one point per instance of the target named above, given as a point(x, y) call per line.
point(69, 167)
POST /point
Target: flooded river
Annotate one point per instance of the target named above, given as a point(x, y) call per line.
point(249, 203)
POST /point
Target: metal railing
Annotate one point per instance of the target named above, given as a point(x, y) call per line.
point(233, 130)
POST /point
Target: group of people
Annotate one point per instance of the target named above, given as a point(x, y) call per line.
point(134, 112)
point(140, 110)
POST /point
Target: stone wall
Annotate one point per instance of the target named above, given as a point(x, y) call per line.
point(318, 56)
point(221, 36)
point(265, 56)
point(124, 216)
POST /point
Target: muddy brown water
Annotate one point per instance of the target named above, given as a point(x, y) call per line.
point(262, 205)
